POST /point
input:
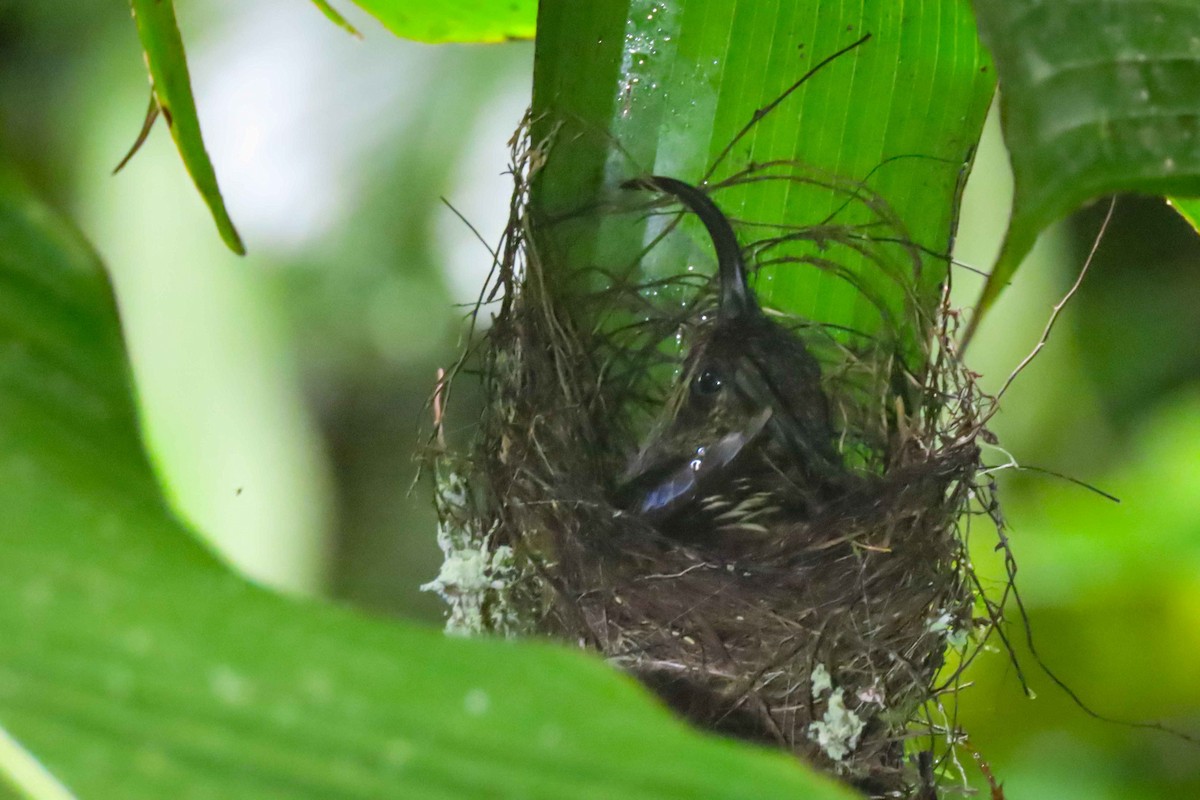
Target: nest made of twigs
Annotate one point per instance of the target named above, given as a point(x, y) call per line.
point(832, 641)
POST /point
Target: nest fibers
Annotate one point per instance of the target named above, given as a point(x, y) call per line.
point(834, 634)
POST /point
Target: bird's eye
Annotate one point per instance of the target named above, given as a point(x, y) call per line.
point(707, 383)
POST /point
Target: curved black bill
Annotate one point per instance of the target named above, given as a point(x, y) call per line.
point(736, 299)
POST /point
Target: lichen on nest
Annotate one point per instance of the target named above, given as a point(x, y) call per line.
point(820, 624)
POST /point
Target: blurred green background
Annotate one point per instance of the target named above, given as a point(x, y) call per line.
point(284, 394)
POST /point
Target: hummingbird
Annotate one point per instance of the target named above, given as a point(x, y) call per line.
point(745, 442)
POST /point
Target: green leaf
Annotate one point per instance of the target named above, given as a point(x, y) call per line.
point(23, 776)
point(455, 20)
point(1188, 209)
point(172, 87)
point(335, 16)
point(134, 665)
point(1097, 97)
point(632, 86)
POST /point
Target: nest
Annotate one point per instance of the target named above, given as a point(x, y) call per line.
point(837, 636)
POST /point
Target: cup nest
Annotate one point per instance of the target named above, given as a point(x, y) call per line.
point(841, 641)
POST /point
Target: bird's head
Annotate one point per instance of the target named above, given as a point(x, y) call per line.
point(748, 384)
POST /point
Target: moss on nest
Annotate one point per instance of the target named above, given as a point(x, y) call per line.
point(829, 636)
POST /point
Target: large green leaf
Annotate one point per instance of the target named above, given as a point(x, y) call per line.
point(455, 20)
point(134, 665)
point(631, 86)
point(1097, 97)
point(172, 88)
